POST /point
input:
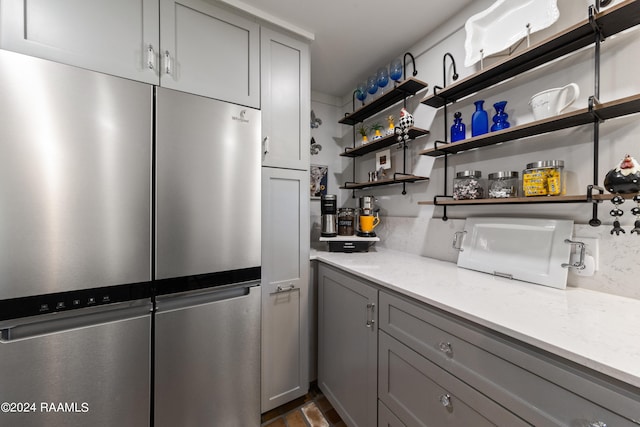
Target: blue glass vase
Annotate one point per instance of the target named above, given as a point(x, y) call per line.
point(500, 119)
point(479, 120)
point(458, 129)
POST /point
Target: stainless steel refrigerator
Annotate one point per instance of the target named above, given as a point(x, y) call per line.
point(130, 252)
point(75, 246)
point(207, 330)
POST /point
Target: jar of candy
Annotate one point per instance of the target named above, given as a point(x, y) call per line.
point(468, 185)
point(503, 184)
point(544, 178)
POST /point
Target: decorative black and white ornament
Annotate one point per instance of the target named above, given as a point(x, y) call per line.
point(404, 124)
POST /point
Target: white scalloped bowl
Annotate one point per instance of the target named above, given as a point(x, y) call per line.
point(504, 23)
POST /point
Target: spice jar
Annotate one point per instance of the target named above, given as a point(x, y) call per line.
point(503, 184)
point(468, 185)
point(544, 178)
point(345, 221)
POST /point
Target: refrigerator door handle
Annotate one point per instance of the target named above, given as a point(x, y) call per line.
point(189, 299)
point(64, 321)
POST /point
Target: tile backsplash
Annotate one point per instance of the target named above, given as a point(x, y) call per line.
point(619, 264)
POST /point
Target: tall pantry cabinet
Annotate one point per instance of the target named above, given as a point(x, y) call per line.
point(286, 111)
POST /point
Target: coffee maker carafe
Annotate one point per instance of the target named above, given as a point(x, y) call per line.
point(328, 211)
point(367, 217)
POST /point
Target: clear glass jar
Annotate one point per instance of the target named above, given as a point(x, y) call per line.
point(346, 226)
point(503, 184)
point(468, 185)
point(544, 178)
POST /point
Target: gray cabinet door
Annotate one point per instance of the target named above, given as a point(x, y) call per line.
point(285, 278)
point(422, 394)
point(347, 346)
point(118, 37)
point(209, 51)
point(285, 101)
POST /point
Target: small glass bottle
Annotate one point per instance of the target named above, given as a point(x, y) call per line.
point(503, 184)
point(479, 120)
point(468, 185)
point(458, 129)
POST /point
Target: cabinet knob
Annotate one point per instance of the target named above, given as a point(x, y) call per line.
point(445, 400)
point(445, 347)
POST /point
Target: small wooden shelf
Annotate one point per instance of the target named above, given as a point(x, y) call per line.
point(609, 110)
point(405, 89)
point(399, 179)
point(380, 143)
point(447, 201)
point(611, 21)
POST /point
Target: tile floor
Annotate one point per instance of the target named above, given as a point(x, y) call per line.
point(312, 410)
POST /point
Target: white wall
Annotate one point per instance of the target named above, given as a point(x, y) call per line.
point(619, 64)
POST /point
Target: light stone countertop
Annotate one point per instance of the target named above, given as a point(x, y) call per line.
point(598, 330)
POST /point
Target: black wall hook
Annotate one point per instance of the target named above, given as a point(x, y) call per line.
point(444, 69)
point(404, 69)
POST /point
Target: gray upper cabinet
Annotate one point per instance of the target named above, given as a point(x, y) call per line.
point(209, 51)
point(118, 37)
point(347, 345)
point(285, 94)
point(205, 50)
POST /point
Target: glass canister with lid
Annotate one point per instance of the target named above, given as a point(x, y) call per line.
point(503, 184)
point(468, 185)
point(544, 178)
point(346, 218)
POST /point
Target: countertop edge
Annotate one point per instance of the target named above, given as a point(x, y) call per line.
point(583, 345)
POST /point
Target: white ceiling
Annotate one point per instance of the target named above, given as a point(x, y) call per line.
point(352, 38)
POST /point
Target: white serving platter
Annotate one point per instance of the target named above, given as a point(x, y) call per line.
point(504, 23)
point(528, 249)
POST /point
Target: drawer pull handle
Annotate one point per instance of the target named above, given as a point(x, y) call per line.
point(371, 307)
point(598, 424)
point(445, 400)
point(281, 289)
point(445, 347)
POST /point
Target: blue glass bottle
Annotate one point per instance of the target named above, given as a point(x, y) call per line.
point(500, 119)
point(479, 120)
point(458, 129)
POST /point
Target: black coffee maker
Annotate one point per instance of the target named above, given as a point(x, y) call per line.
point(329, 210)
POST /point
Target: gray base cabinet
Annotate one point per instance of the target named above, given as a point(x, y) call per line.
point(436, 369)
point(347, 345)
point(541, 389)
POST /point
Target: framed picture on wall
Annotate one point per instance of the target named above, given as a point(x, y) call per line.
point(383, 159)
point(318, 184)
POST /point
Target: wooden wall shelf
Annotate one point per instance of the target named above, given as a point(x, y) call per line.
point(609, 110)
point(407, 88)
point(380, 143)
point(611, 21)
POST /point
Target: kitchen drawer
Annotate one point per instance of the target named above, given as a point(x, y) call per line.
point(386, 418)
point(541, 388)
point(421, 393)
